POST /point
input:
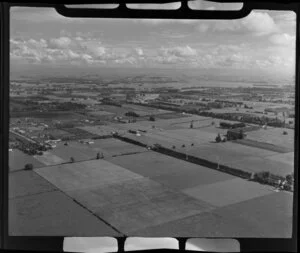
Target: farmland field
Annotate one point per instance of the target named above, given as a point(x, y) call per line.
point(250, 219)
point(57, 115)
point(169, 171)
point(100, 113)
point(274, 136)
point(18, 160)
point(49, 159)
point(125, 199)
point(33, 215)
point(264, 145)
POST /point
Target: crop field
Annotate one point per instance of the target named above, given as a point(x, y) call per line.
point(264, 145)
point(58, 133)
point(118, 111)
point(100, 113)
point(238, 156)
point(82, 152)
point(143, 110)
point(228, 192)
point(287, 158)
point(144, 194)
point(169, 171)
point(34, 215)
point(100, 130)
point(125, 199)
point(74, 149)
point(18, 160)
point(115, 147)
point(80, 133)
point(250, 219)
point(273, 136)
point(49, 159)
point(57, 115)
point(258, 164)
point(25, 183)
point(173, 115)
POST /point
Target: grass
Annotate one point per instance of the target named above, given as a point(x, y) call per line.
point(18, 160)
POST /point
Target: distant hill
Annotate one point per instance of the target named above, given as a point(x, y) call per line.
point(152, 75)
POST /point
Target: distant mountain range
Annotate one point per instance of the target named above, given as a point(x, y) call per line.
point(152, 75)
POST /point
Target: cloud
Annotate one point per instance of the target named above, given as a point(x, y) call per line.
point(259, 23)
point(139, 51)
point(203, 28)
point(62, 42)
point(283, 39)
point(40, 15)
point(155, 22)
point(256, 23)
point(186, 51)
point(286, 20)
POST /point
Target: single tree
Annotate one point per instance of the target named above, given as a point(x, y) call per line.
point(289, 179)
point(98, 156)
point(28, 166)
point(151, 118)
point(241, 134)
point(218, 138)
point(72, 159)
point(174, 147)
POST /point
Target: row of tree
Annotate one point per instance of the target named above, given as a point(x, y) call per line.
point(29, 166)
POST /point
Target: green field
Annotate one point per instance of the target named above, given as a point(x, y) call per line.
point(169, 171)
point(53, 214)
point(57, 115)
point(18, 160)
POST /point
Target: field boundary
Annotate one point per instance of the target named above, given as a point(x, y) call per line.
point(191, 159)
point(263, 145)
point(200, 161)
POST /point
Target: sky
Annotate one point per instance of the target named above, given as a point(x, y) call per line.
point(264, 40)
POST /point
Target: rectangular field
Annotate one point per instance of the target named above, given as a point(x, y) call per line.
point(83, 175)
point(82, 151)
point(24, 183)
point(228, 192)
point(269, 216)
point(274, 136)
point(169, 171)
point(264, 145)
point(18, 160)
point(100, 113)
point(125, 199)
point(53, 214)
point(258, 164)
point(48, 158)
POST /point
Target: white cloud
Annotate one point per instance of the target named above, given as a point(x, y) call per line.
point(202, 28)
point(139, 51)
point(256, 23)
point(283, 39)
point(62, 42)
point(41, 15)
point(186, 51)
point(156, 22)
point(259, 23)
